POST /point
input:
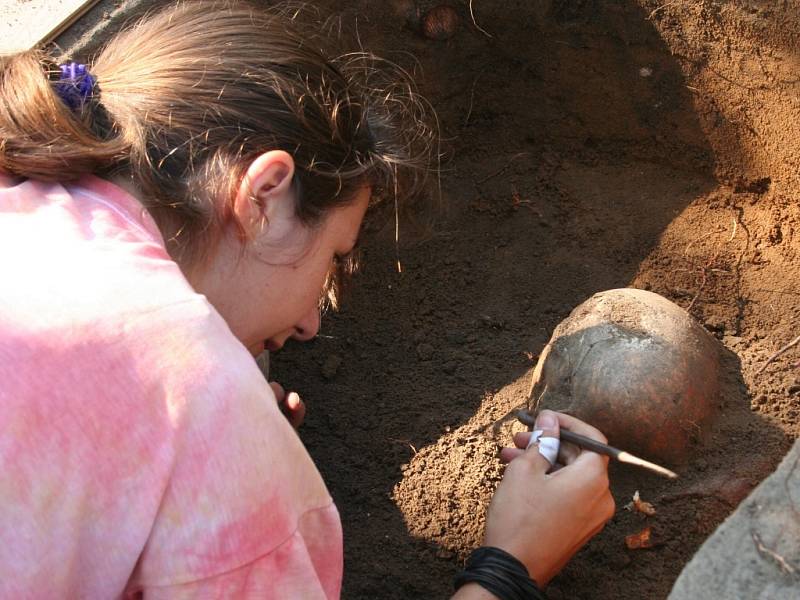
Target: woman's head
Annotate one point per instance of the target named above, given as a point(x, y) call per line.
point(189, 98)
point(271, 291)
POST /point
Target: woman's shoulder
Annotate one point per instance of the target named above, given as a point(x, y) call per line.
point(191, 338)
point(235, 452)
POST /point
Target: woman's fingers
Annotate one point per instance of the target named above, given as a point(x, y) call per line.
point(539, 447)
point(295, 409)
point(578, 426)
point(522, 439)
point(545, 436)
point(567, 453)
point(509, 454)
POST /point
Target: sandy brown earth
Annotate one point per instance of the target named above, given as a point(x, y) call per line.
point(591, 144)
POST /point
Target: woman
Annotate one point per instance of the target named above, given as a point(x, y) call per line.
point(167, 213)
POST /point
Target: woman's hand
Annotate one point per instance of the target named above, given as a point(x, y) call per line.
point(543, 514)
point(290, 404)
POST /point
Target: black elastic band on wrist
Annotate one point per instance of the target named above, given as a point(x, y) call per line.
point(499, 573)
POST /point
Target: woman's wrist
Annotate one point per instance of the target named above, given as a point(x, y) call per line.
point(473, 591)
point(499, 573)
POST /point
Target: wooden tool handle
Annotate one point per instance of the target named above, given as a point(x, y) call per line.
point(588, 443)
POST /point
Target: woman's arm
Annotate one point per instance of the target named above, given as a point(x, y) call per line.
point(543, 517)
point(473, 591)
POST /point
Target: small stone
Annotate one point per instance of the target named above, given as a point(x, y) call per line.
point(715, 325)
point(456, 337)
point(331, 366)
point(732, 340)
point(734, 491)
point(793, 389)
point(554, 593)
point(440, 23)
point(425, 351)
point(618, 561)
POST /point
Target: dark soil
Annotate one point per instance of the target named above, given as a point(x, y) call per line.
point(591, 144)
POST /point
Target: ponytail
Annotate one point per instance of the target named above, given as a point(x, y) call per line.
point(40, 136)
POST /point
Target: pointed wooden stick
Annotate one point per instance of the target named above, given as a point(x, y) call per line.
point(615, 453)
point(595, 446)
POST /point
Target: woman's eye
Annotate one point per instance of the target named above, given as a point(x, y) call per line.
point(343, 267)
point(346, 264)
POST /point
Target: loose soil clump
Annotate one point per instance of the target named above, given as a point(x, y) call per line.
point(589, 145)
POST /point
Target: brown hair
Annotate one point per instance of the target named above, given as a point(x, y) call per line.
point(189, 96)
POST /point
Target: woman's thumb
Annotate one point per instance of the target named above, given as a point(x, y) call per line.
point(545, 439)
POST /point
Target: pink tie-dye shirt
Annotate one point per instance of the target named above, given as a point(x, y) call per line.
point(141, 449)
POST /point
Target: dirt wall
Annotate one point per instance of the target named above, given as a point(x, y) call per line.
point(589, 144)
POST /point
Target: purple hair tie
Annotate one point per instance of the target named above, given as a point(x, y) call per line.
point(75, 85)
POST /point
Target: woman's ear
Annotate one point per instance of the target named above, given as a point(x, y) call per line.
point(265, 193)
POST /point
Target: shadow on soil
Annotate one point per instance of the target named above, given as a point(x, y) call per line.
point(572, 144)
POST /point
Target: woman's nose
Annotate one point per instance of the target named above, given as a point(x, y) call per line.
point(307, 328)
